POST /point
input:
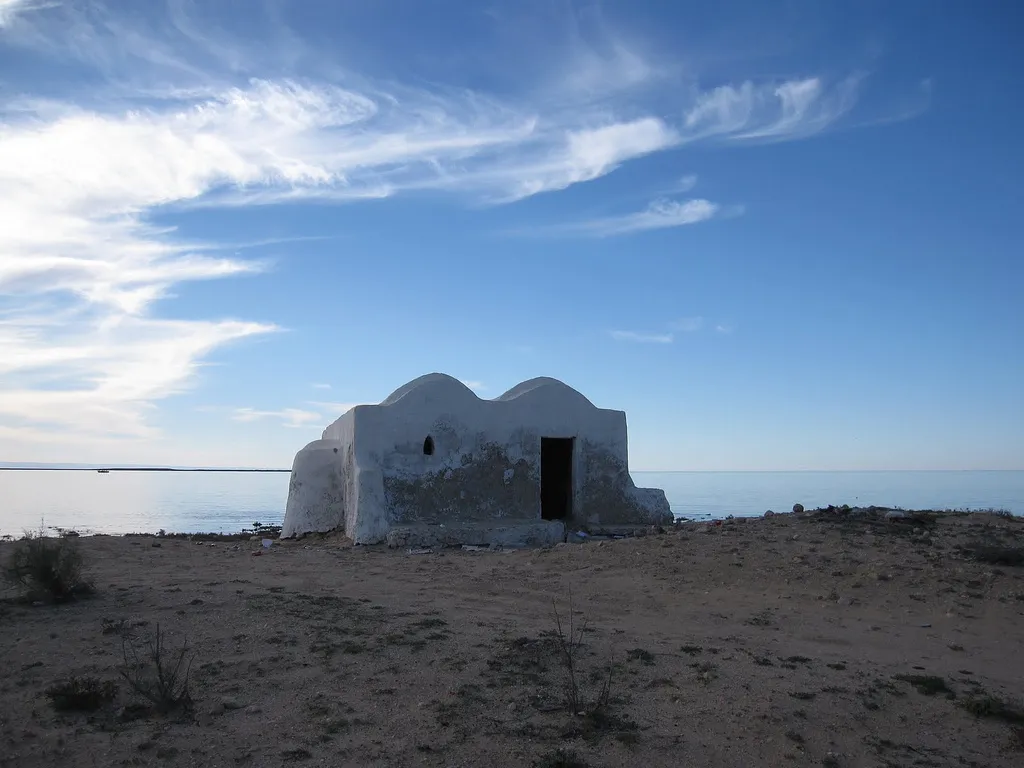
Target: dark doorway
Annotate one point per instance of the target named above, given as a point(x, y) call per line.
point(555, 477)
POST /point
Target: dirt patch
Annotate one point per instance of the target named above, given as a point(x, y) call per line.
point(843, 639)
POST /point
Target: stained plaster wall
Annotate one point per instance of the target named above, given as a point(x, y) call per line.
point(485, 465)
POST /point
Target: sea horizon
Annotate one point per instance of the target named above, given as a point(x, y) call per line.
point(214, 500)
point(72, 466)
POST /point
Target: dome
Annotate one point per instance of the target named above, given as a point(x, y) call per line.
point(434, 382)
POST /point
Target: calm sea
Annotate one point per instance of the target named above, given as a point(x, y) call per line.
point(123, 502)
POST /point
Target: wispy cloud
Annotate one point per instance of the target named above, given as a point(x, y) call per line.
point(661, 214)
point(318, 385)
point(9, 9)
point(289, 417)
point(684, 185)
point(781, 111)
point(724, 329)
point(643, 338)
point(183, 115)
point(476, 386)
point(688, 324)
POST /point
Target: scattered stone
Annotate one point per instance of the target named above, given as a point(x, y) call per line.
point(156, 544)
point(231, 703)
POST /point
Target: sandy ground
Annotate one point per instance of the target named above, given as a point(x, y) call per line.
point(769, 642)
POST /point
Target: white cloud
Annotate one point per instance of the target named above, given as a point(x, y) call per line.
point(643, 338)
point(476, 386)
point(317, 385)
point(289, 417)
point(100, 376)
point(661, 214)
point(724, 329)
point(10, 9)
point(177, 123)
point(773, 112)
point(688, 324)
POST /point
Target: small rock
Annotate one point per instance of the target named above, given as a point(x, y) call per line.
point(156, 544)
point(231, 703)
point(769, 513)
point(798, 509)
point(846, 601)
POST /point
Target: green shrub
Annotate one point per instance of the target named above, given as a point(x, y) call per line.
point(47, 568)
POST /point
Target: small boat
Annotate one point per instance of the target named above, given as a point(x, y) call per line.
point(103, 471)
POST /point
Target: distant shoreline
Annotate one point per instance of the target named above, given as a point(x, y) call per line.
point(131, 469)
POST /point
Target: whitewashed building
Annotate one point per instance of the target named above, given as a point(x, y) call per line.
point(435, 464)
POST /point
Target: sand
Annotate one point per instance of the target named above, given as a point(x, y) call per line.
point(780, 641)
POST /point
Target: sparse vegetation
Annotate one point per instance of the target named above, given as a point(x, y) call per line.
point(47, 568)
point(994, 708)
point(158, 675)
point(570, 642)
point(81, 694)
point(262, 529)
point(641, 655)
point(996, 555)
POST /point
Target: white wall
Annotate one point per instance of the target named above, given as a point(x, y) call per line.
point(485, 465)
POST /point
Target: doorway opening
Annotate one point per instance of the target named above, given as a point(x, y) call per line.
point(556, 477)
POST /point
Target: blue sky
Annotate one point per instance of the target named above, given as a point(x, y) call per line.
point(780, 235)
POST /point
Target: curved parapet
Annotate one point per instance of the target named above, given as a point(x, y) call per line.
point(543, 386)
point(316, 492)
point(435, 386)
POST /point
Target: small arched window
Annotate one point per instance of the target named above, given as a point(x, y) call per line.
point(428, 446)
